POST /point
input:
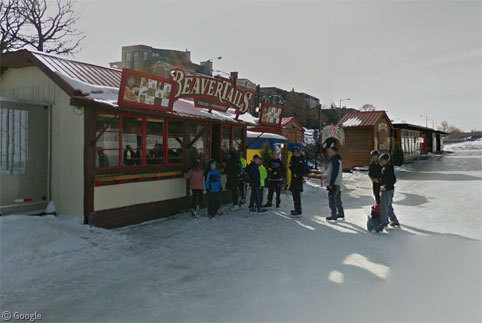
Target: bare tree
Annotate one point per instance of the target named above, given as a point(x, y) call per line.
point(52, 28)
point(444, 126)
point(10, 25)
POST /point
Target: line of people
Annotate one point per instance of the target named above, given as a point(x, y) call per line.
point(239, 174)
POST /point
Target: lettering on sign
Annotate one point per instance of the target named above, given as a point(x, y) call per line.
point(211, 93)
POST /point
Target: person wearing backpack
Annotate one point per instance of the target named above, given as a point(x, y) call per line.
point(298, 168)
point(276, 172)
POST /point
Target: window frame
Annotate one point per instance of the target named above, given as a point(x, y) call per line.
point(120, 149)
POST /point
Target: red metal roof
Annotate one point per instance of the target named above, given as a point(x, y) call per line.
point(361, 119)
point(285, 121)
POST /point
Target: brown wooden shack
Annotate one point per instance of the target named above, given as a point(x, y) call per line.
point(364, 131)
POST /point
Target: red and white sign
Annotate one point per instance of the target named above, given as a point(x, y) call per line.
point(211, 93)
point(270, 114)
point(146, 91)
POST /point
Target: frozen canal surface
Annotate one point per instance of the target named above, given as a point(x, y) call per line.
point(269, 267)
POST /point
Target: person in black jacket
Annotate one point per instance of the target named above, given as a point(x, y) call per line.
point(276, 174)
point(233, 170)
point(375, 172)
point(298, 170)
point(387, 188)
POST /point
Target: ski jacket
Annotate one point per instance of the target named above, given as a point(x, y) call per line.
point(254, 176)
point(263, 173)
point(388, 178)
point(195, 177)
point(334, 174)
point(276, 170)
point(375, 171)
point(213, 181)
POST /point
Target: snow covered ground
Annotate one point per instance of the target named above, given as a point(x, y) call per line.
point(270, 267)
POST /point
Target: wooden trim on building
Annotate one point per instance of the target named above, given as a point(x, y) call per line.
point(89, 162)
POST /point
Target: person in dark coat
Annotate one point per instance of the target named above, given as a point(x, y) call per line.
point(375, 172)
point(334, 178)
point(387, 188)
point(255, 184)
point(233, 171)
point(298, 170)
point(276, 174)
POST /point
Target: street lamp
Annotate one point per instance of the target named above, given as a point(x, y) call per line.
point(426, 119)
point(348, 99)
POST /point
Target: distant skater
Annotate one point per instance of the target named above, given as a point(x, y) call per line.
point(375, 172)
point(255, 184)
point(298, 169)
point(387, 188)
point(334, 178)
point(276, 174)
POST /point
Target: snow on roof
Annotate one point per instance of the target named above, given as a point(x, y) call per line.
point(352, 122)
point(266, 135)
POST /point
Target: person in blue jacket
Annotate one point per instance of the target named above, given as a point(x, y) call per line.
point(213, 187)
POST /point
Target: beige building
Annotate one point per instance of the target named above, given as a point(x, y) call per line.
point(66, 139)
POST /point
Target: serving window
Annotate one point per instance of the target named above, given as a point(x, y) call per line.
point(202, 145)
point(129, 141)
point(231, 140)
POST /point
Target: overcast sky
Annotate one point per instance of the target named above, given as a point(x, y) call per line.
point(406, 57)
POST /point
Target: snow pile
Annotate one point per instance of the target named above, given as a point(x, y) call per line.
point(309, 136)
point(466, 145)
point(25, 237)
point(104, 94)
point(352, 122)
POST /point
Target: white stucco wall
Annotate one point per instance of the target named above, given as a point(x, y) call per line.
point(114, 196)
point(67, 170)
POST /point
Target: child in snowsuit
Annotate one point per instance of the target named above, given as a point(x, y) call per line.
point(195, 176)
point(375, 172)
point(255, 184)
point(213, 187)
point(387, 188)
point(276, 172)
point(334, 177)
point(374, 221)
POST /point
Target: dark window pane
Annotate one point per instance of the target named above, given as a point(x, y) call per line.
point(174, 156)
point(107, 120)
point(174, 126)
point(107, 158)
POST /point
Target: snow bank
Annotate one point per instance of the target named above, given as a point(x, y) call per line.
point(466, 145)
point(25, 237)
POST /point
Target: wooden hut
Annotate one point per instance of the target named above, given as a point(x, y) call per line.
point(364, 131)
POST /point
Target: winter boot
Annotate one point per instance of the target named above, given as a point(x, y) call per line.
point(394, 224)
point(268, 204)
point(331, 218)
point(235, 208)
point(261, 210)
point(218, 212)
point(295, 213)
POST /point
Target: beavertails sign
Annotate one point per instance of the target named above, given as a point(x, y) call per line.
point(210, 93)
point(154, 93)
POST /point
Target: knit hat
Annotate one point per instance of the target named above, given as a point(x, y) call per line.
point(374, 153)
point(384, 156)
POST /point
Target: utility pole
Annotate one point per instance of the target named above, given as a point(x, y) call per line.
point(426, 119)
